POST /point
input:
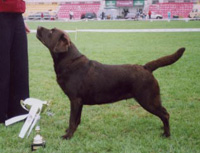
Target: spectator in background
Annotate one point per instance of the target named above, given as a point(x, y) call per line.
point(143, 15)
point(14, 85)
point(42, 15)
point(125, 12)
point(102, 15)
point(138, 14)
point(149, 13)
point(169, 15)
point(71, 14)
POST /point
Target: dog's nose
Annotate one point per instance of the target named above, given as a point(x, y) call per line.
point(38, 33)
point(39, 27)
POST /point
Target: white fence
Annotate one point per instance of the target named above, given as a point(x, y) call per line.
point(131, 30)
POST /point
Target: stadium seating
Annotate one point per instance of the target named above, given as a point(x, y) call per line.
point(177, 9)
point(77, 9)
point(33, 8)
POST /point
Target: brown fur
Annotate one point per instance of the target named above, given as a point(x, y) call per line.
point(88, 82)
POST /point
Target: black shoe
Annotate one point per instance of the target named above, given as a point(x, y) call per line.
point(2, 122)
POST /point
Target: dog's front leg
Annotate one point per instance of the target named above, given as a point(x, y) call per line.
point(75, 118)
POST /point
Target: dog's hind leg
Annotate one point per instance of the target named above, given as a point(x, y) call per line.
point(75, 118)
point(165, 120)
point(154, 106)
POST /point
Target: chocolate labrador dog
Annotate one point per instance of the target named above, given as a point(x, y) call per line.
point(88, 82)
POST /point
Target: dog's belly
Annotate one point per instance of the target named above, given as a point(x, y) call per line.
point(104, 98)
point(108, 94)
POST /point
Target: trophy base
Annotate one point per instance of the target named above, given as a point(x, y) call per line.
point(34, 147)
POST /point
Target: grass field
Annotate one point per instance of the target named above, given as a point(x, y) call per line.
point(122, 127)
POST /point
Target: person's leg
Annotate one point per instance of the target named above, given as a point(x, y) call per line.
point(6, 33)
point(19, 85)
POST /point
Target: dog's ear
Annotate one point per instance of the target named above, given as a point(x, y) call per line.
point(62, 44)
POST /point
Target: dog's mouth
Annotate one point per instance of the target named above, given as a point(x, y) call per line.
point(40, 39)
point(39, 35)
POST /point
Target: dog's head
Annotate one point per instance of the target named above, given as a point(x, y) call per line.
point(54, 39)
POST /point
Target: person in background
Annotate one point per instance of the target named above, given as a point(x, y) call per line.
point(125, 12)
point(14, 84)
point(71, 14)
point(42, 16)
point(149, 13)
point(169, 15)
point(102, 16)
point(138, 14)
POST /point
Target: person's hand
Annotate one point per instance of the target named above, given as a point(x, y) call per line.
point(27, 28)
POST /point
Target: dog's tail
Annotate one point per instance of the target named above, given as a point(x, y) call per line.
point(164, 61)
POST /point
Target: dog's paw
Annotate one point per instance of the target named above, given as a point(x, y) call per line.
point(167, 135)
point(66, 136)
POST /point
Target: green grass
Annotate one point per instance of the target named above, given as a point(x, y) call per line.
point(116, 24)
point(122, 127)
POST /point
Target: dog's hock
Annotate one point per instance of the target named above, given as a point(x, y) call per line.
point(63, 44)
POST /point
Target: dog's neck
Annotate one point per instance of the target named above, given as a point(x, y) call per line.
point(67, 59)
point(68, 56)
point(73, 52)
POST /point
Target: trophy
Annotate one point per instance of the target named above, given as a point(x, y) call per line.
point(38, 140)
point(35, 107)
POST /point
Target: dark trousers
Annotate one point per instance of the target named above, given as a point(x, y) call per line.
point(14, 84)
point(70, 16)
